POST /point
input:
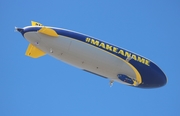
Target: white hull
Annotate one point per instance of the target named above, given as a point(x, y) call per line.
point(82, 55)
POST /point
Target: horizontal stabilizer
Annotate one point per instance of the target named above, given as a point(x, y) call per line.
point(48, 31)
point(34, 52)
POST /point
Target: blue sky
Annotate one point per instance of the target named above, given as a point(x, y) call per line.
point(49, 87)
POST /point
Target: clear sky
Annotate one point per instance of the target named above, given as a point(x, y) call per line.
point(49, 87)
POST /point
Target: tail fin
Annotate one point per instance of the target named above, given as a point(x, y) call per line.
point(48, 31)
point(45, 30)
point(33, 23)
point(34, 52)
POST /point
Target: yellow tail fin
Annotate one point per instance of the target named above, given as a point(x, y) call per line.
point(45, 30)
point(48, 31)
point(34, 52)
point(33, 23)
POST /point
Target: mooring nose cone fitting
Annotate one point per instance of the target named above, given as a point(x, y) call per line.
point(19, 29)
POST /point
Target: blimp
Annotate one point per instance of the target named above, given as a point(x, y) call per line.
point(92, 55)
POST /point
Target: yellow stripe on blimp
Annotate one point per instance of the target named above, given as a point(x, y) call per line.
point(138, 76)
point(116, 50)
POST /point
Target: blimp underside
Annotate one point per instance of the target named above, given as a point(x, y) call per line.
point(83, 56)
